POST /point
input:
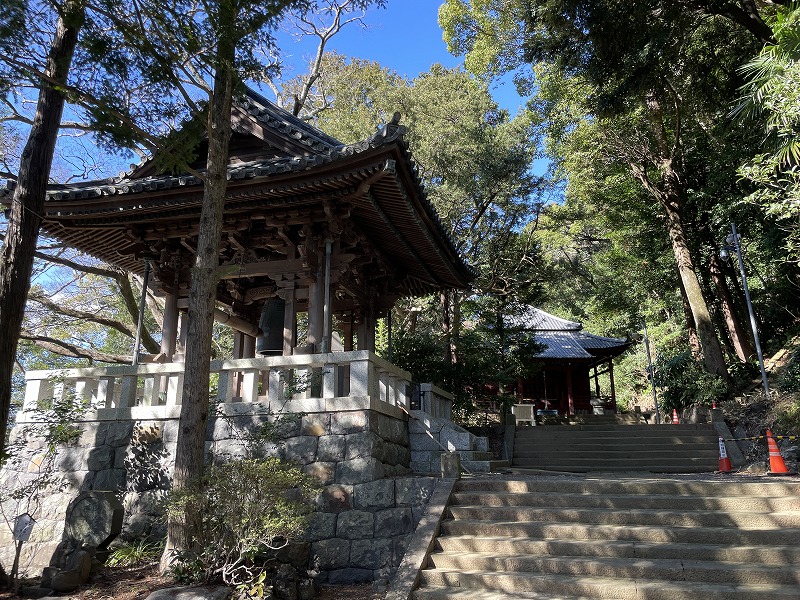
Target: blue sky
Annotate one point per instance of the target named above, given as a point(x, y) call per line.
point(405, 36)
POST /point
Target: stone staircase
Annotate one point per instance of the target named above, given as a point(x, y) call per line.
point(611, 444)
point(656, 539)
point(430, 437)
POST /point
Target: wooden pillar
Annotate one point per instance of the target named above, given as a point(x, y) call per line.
point(366, 333)
point(183, 330)
point(248, 346)
point(570, 399)
point(169, 331)
point(596, 383)
point(289, 320)
point(348, 330)
point(315, 316)
point(611, 378)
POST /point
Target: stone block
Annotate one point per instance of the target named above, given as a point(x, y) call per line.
point(420, 442)
point(110, 480)
point(318, 424)
point(403, 456)
point(296, 554)
point(394, 521)
point(359, 470)
point(170, 431)
point(374, 494)
point(335, 498)
point(455, 440)
point(330, 554)
point(345, 576)
point(71, 459)
point(81, 480)
point(424, 424)
point(413, 491)
point(355, 524)
point(147, 432)
point(331, 448)
point(371, 554)
point(361, 445)
point(481, 444)
point(119, 433)
point(301, 449)
point(323, 472)
point(98, 459)
point(349, 422)
point(93, 434)
point(392, 430)
point(321, 526)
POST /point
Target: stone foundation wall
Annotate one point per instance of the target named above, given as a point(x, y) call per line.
point(368, 507)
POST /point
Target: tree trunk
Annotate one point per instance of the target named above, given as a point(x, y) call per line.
point(189, 454)
point(713, 358)
point(27, 204)
point(737, 332)
point(694, 341)
point(669, 196)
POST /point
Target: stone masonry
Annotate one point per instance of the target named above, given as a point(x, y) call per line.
point(369, 505)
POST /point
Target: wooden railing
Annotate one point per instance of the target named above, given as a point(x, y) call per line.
point(302, 383)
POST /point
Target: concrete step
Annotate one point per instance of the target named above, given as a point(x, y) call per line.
point(475, 455)
point(446, 593)
point(623, 454)
point(485, 466)
point(663, 569)
point(602, 587)
point(767, 555)
point(635, 533)
point(622, 501)
point(637, 486)
point(657, 518)
point(617, 538)
point(682, 466)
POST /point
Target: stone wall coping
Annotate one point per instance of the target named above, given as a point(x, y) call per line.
point(402, 585)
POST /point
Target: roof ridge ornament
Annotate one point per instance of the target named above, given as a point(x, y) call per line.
point(388, 132)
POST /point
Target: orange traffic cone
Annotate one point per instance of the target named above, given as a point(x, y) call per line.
point(675, 420)
point(776, 464)
point(724, 462)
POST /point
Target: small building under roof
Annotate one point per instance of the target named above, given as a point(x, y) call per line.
point(310, 225)
point(571, 363)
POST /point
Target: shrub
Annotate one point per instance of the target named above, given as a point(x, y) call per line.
point(683, 381)
point(132, 554)
point(789, 380)
point(244, 508)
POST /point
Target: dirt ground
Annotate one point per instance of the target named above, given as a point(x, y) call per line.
point(138, 583)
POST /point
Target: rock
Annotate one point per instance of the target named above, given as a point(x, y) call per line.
point(214, 592)
point(284, 583)
point(94, 519)
point(65, 582)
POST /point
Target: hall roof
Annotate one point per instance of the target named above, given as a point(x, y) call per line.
point(281, 171)
point(566, 340)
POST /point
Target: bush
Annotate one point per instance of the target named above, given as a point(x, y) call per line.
point(683, 381)
point(789, 381)
point(244, 508)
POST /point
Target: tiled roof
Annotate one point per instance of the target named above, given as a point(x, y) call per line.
point(564, 339)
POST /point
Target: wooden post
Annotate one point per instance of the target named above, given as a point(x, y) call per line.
point(613, 392)
point(289, 320)
point(570, 399)
point(169, 331)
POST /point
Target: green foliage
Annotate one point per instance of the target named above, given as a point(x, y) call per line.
point(789, 381)
point(132, 554)
point(772, 96)
point(244, 508)
point(684, 382)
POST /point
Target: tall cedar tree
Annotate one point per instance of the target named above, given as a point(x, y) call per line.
point(19, 246)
